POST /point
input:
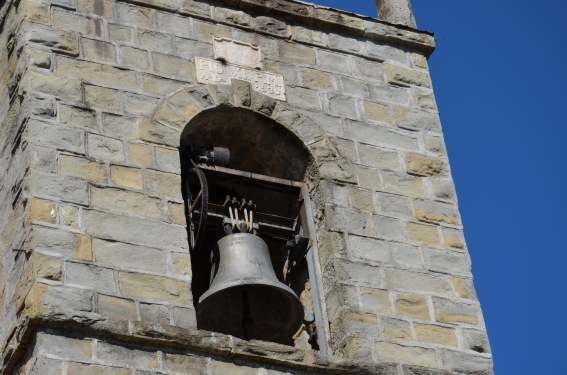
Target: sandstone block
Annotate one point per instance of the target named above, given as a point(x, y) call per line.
point(343, 106)
point(184, 363)
point(416, 282)
point(184, 317)
point(379, 158)
point(66, 42)
point(55, 240)
point(385, 52)
point(367, 177)
point(417, 120)
point(233, 369)
point(271, 26)
point(355, 87)
point(82, 168)
point(154, 41)
point(412, 355)
point(124, 256)
point(390, 94)
point(154, 132)
point(453, 262)
point(101, 8)
point(389, 228)
point(304, 98)
point(85, 248)
point(436, 334)
point(349, 220)
point(138, 104)
point(131, 14)
point(369, 249)
point(394, 205)
point(135, 58)
point(297, 54)
point(67, 297)
point(356, 273)
point(375, 300)
point(135, 230)
point(155, 313)
point(97, 74)
point(102, 97)
point(421, 233)
point(378, 135)
point(448, 311)
point(76, 368)
point(140, 154)
point(173, 24)
point(340, 296)
point(467, 363)
point(120, 33)
point(406, 255)
point(356, 348)
point(65, 347)
point(475, 340)
point(377, 112)
point(41, 59)
point(443, 189)
point(36, 12)
point(434, 212)
point(401, 76)
point(396, 329)
point(42, 210)
point(105, 148)
point(73, 21)
point(70, 216)
point(119, 355)
point(174, 67)
point(62, 138)
point(188, 48)
point(60, 87)
point(316, 79)
point(155, 288)
point(181, 264)
point(362, 199)
point(342, 43)
point(44, 158)
point(421, 165)
point(419, 60)
point(98, 50)
point(425, 100)
point(38, 266)
point(308, 36)
point(55, 186)
point(126, 177)
point(126, 202)
point(77, 117)
point(90, 276)
point(164, 184)
point(413, 306)
point(120, 126)
point(464, 287)
point(117, 308)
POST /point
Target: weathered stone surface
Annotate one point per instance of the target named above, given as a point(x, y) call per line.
point(102, 97)
point(369, 249)
point(65, 347)
point(74, 166)
point(396, 329)
point(42, 210)
point(76, 368)
point(398, 75)
point(98, 74)
point(126, 177)
point(61, 41)
point(436, 334)
point(375, 300)
point(417, 120)
point(378, 135)
point(65, 297)
point(77, 117)
point(90, 276)
point(98, 50)
point(135, 58)
point(389, 228)
point(475, 340)
point(417, 282)
point(464, 362)
point(117, 308)
point(156, 288)
point(426, 234)
point(126, 202)
point(105, 148)
point(453, 262)
point(119, 355)
point(413, 306)
point(62, 138)
point(155, 313)
point(52, 185)
point(405, 354)
point(129, 257)
point(164, 184)
point(447, 311)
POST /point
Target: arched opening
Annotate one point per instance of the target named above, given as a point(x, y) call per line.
point(256, 194)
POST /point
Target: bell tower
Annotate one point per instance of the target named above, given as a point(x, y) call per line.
point(227, 187)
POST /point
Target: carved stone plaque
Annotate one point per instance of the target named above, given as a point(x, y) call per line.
point(237, 53)
point(214, 72)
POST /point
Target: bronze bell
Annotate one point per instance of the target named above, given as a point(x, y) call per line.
point(245, 298)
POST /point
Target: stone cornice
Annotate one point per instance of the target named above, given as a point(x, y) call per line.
point(145, 334)
point(298, 13)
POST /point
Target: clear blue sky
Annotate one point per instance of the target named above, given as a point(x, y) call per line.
point(500, 78)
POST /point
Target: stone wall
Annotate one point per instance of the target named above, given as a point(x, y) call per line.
point(95, 96)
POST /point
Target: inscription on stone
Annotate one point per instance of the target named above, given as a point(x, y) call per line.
point(237, 53)
point(214, 72)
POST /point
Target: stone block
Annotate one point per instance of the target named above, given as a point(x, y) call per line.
point(401, 76)
point(126, 177)
point(371, 249)
point(83, 168)
point(347, 44)
point(355, 87)
point(389, 228)
point(66, 297)
point(181, 264)
point(135, 58)
point(435, 212)
point(425, 100)
point(367, 177)
point(467, 363)
point(475, 340)
point(55, 240)
point(50, 135)
point(184, 363)
point(173, 67)
point(120, 126)
point(308, 35)
point(343, 106)
point(368, 70)
point(356, 273)
point(173, 24)
point(44, 158)
point(90, 276)
point(194, 7)
point(396, 329)
point(296, 54)
point(413, 306)
point(421, 165)
point(304, 98)
point(204, 30)
point(84, 248)
point(130, 14)
point(117, 308)
point(140, 154)
point(155, 41)
point(70, 216)
point(349, 322)
point(40, 59)
point(218, 367)
point(419, 60)
point(66, 42)
point(313, 78)
point(154, 132)
point(55, 186)
point(464, 287)
point(379, 135)
point(119, 355)
point(426, 234)
point(379, 158)
point(76, 368)
point(448, 311)
point(231, 16)
point(377, 112)
point(362, 199)
point(413, 120)
point(443, 189)
point(452, 262)
point(188, 48)
point(36, 12)
point(406, 255)
point(138, 104)
point(385, 52)
point(98, 50)
point(434, 334)
point(184, 317)
point(126, 202)
point(77, 117)
point(349, 220)
point(355, 348)
point(105, 148)
point(97, 74)
point(375, 300)
point(164, 184)
point(390, 94)
point(124, 256)
point(413, 355)
point(60, 87)
point(101, 8)
point(120, 33)
point(38, 266)
point(394, 205)
point(135, 230)
point(416, 282)
point(333, 62)
point(453, 238)
point(64, 347)
point(271, 26)
point(339, 296)
point(155, 288)
point(42, 210)
point(154, 313)
point(102, 97)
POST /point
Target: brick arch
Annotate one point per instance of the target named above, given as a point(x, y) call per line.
point(175, 112)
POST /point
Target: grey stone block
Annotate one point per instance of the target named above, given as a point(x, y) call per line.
point(349, 220)
point(59, 137)
point(385, 52)
point(394, 205)
point(105, 148)
point(476, 341)
point(343, 105)
point(390, 94)
point(66, 297)
point(154, 313)
point(389, 228)
point(119, 126)
point(468, 363)
point(369, 249)
point(52, 185)
point(378, 135)
point(405, 255)
point(98, 278)
point(447, 261)
point(125, 356)
point(334, 62)
point(379, 158)
point(64, 347)
point(55, 240)
point(416, 282)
